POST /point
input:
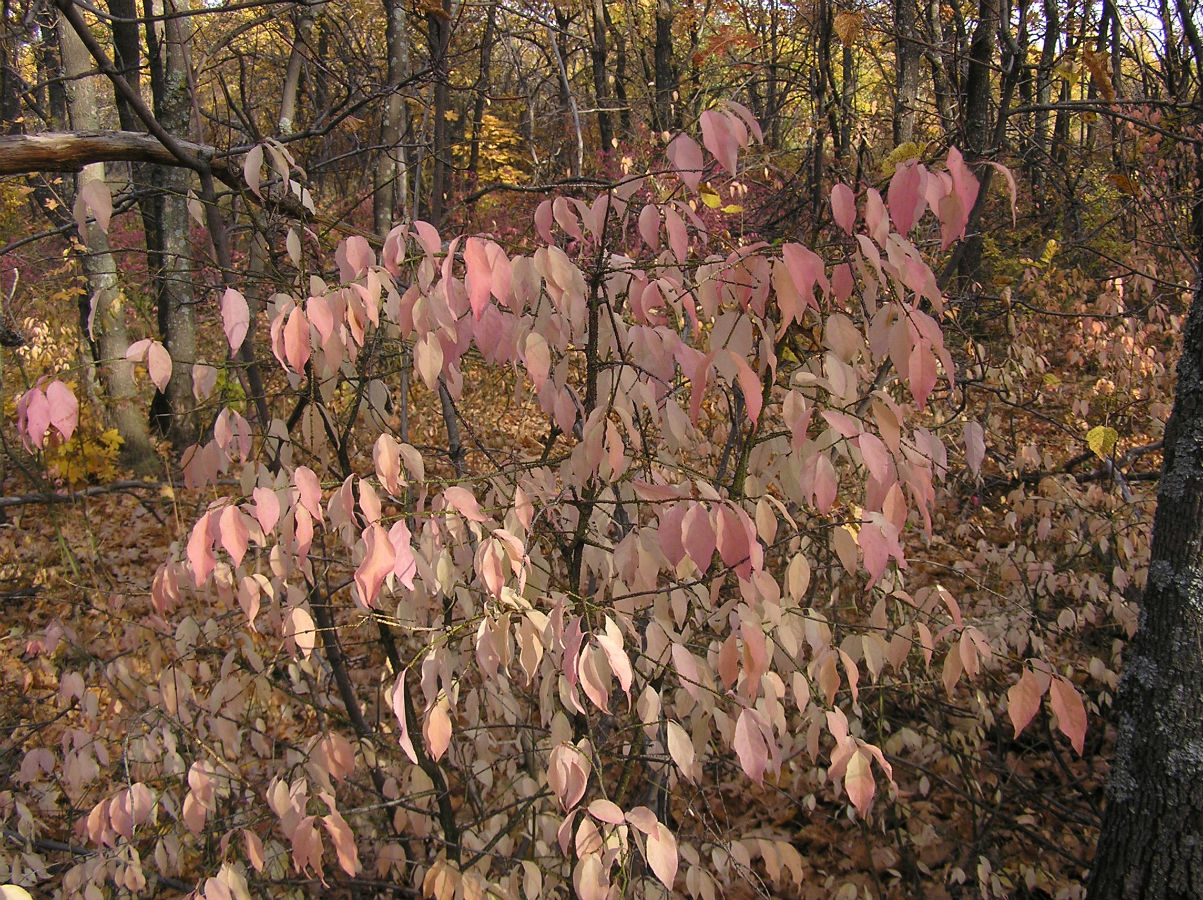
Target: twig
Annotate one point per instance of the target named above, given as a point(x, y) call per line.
point(74, 496)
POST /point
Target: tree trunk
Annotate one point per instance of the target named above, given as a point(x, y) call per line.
point(176, 274)
point(104, 308)
point(483, 85)
point(391, 187)
point(665, 72)
point(438, 32)
point(598, 55)
point(302, 36)
point(1151, 844)
point(907, 65)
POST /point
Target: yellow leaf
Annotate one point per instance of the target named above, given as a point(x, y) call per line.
point(1102, 440)
point(710, 198)
point(733, 208)
point(847, 27)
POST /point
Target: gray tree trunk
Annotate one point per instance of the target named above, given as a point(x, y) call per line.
point(108, 339)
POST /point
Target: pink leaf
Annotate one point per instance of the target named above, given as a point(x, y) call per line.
point(649, 226)
point(63, 408)
point(299, 626)
point(720, 140)
point(662, 855)
point(344, 842)
point(94, 196)
point(685, 156)
point(378, 562)
point(859, 782)
point(234, 534)
point(906, 203)
point(750, 746)
point(267, 508)
point(399, 689)
point(537, 357)
point(606, 811)
point(1071, 713)
point(698, 536)
point(1023, 700)
point(461, 500)
point(235, 317)
point(877, 220)
point(478, 275)
point(158, 364)
point(386, 454)
point(567, 775)
point(843, 207)
point(543, 220)
point(1011, 188)
point(437, 731)
point(749, 386)
point(309, 490)
point(678, 237)
point(428, 359)
point(296, 340)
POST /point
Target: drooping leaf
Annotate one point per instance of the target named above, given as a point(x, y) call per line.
point(1071, 712)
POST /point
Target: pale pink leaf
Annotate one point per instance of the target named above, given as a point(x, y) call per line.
point(296, 340)
point(63, 408)
point(462, 501)
point(267, 508)
point(478, 275)
point(750, 120)
point(678, 237)
point(254, 849)
point(299, 626)
point(685, 156)
point(643, 819)
point(398, 698)
point(843, 207)
point(437, 731)
point(428, 359)
point(378, 562)
point(719, 139)
point(309, 490)
point(975, 447)
point(749, 386)
point(428, 237)
point(344, 842)
point(606, 811)
point(543, 220)
point(537, 358)
point(1071, 712)
point(235, 317)
point(698, 537)
point(649, 226)
point(904, 197)
point(1012, 189)
point(662, 854)
point(877, 220)
point(1023, 700)
point(750, 746)
point(859, 782)
point(234, 533)
point(386, 454)
point(680, 748)
point(251, 169)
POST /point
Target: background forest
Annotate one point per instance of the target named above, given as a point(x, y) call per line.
point(588, 449)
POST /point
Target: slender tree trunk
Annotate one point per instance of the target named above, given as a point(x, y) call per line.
point(1151, 844)
point(665, 72)
point(303, 19)
point(174, 294)
point(620, 73)
point(907, 50)
point(391, 187)
point(483, 85)
point(438, 34)
point(599, 57)
point(104, 309)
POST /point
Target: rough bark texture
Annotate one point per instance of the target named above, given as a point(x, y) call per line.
point(1151, 843)
point(61, 151)
point(106, 314)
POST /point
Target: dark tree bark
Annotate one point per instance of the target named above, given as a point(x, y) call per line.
point(390, 191)
point(664, 69)
point(1151, 844)
point(438, 35)
point(598, 56)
